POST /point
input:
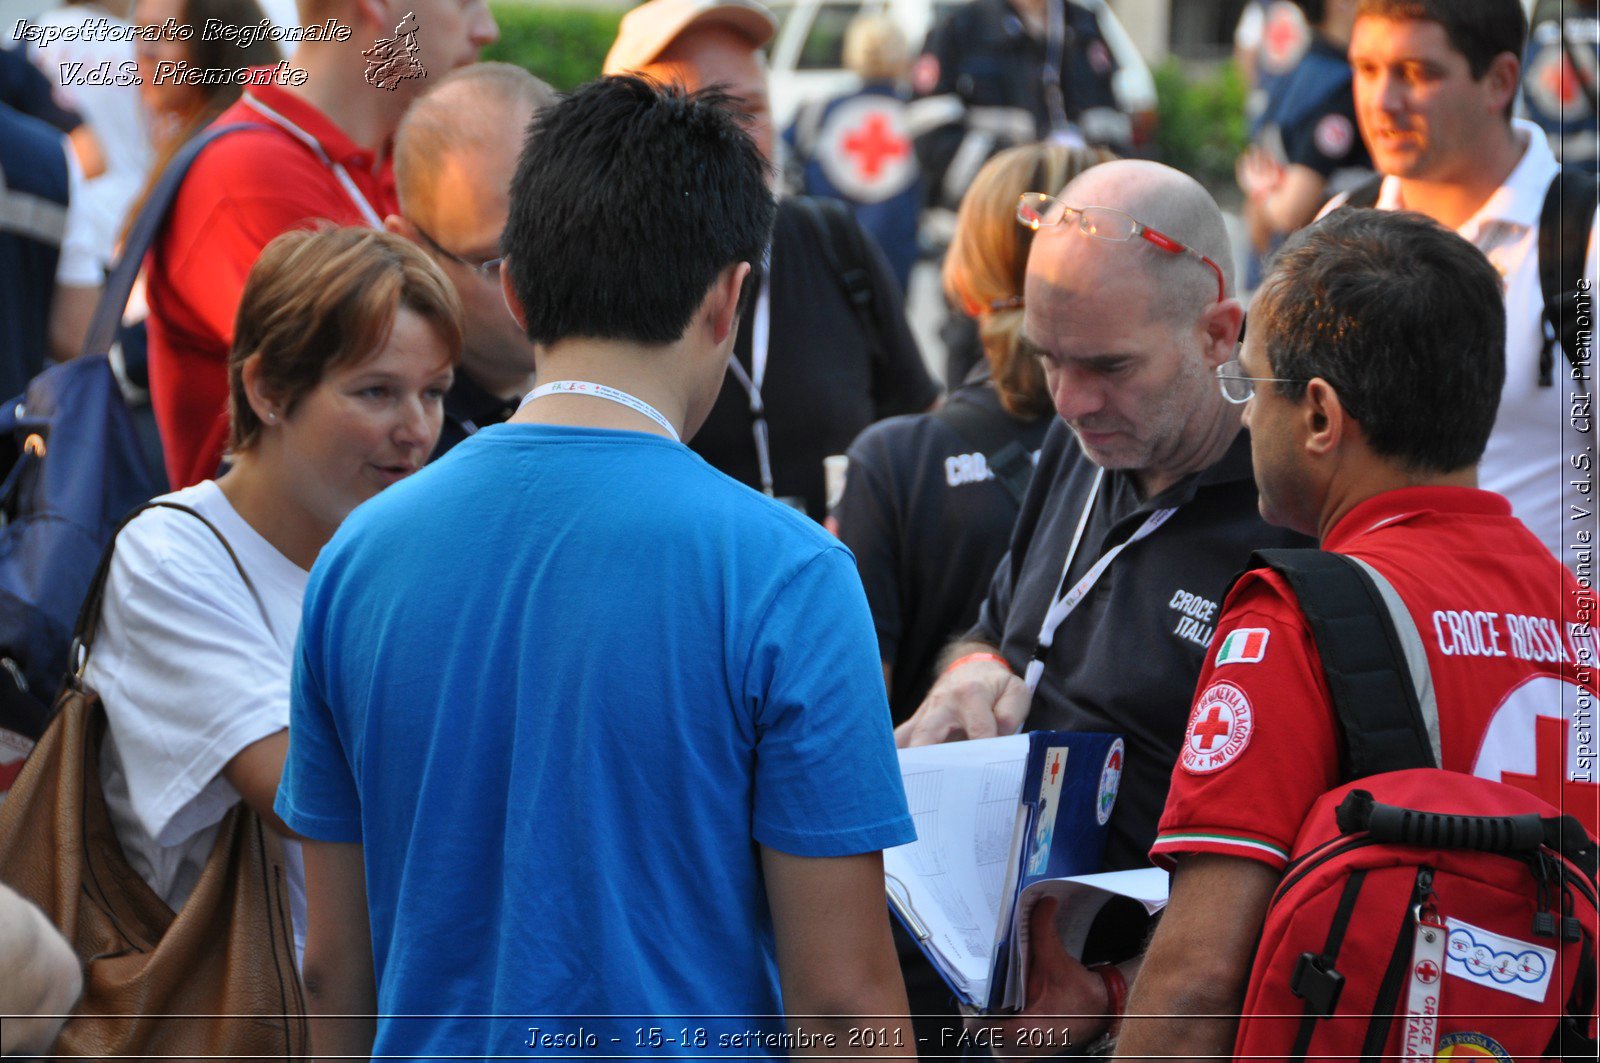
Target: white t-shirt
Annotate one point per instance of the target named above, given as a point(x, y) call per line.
point(190, 675)
point(1535, 437)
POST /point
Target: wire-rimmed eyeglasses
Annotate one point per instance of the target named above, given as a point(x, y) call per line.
point(1037, 210)
point(489, 269)
point(1237, 387)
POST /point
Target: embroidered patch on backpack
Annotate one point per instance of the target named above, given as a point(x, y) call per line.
point(1520, 968)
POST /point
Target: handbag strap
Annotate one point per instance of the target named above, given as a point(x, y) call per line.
point(141, 234)
point(83, 631)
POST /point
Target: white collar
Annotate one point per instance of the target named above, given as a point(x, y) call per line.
point(1518, 200)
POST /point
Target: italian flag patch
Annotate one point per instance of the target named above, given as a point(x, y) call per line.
point(1246, 645)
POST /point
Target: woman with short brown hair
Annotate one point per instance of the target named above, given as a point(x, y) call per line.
point(343, 350)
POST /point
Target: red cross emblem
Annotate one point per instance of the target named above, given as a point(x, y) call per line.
point(1283, 37)
point(873, 144)
point(1427, 972)
point(1216, 724)
point(1560, 81)
point(1219, 730)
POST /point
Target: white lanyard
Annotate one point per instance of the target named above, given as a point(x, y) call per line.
point(760, 334)
point(339, 172)
point(1065, 601)
point(1422, 996)
point(601, 391)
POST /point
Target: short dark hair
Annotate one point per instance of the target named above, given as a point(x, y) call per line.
point(1404, 318)
point(629, 199)
point(1478, 29)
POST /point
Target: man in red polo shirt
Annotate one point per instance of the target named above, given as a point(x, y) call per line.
point(322, 154)
point(1376, 358)
point(1372, 374)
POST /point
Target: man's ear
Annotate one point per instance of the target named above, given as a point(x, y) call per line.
point(507, 293)
point(722, 302)
point(1220, 326)
point(1503, 78)
point(1326, 424)
point(401, 226)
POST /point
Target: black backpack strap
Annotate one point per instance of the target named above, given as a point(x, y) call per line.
point(88, 623)
point(1564, 222)
point(842, 246)
point(1371, 655)
point(991, 434)
point(142, 233)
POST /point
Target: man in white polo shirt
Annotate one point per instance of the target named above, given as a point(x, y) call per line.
point(1434, 84)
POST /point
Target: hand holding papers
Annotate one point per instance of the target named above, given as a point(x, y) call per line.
point(1001, 822)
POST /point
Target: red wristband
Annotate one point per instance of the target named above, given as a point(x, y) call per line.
point(981, 655)
point(1116, 993)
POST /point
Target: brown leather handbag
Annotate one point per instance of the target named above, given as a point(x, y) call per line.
point(216, 978)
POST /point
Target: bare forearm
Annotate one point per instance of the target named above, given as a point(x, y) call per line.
point(1165, 1011)
point(341, 1004)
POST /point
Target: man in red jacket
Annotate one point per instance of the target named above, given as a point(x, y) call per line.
point(322, 154)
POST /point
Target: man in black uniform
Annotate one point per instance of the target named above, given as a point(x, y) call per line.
point(998, 73)
point(1306, 147)
point(825, 349)
point(1142, 507)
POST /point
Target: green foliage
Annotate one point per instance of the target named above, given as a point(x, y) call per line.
point(1202, 128)
point(563, 45)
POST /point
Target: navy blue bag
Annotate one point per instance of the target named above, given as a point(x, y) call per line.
point(71, 466)
point(78, 468)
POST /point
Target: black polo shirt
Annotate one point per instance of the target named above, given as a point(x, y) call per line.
point(1127, 659)
point(468, 408)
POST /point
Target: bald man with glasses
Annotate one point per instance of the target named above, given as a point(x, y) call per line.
point(1140, 512)
point(455, 152)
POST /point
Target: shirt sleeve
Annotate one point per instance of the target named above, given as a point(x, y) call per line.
point(1261, 744)
point(188, 672)
point(215, 238)
point(317, 796)
point(868, 525)
point(1327, 140)
point(827, 779)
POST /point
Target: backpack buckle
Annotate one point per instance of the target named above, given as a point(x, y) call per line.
point(1317, 983)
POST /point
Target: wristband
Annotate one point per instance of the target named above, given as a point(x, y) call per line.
point(1116, 993)
point(981, 655)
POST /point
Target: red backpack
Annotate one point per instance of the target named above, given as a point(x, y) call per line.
point(1424, 914)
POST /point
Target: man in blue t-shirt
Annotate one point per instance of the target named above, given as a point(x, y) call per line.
point(641, 767)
